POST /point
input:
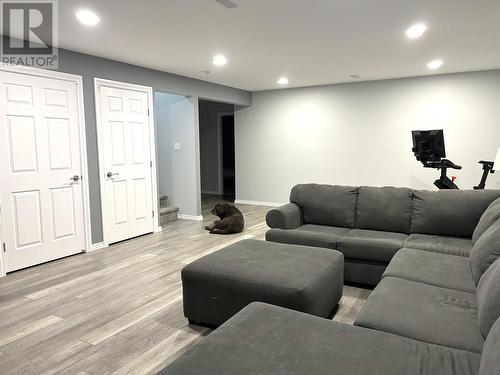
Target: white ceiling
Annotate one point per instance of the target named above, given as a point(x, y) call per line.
point(312, 42)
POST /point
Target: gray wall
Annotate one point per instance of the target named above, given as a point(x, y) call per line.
point(359, 133)
point(210, 145)
point(90, 67)
point(175, 123)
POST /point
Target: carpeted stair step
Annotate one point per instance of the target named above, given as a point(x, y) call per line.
point(168, 214)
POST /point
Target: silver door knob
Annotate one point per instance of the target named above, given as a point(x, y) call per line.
point(75, 178)
point(109, 174)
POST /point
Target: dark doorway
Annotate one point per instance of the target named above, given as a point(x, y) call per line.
point(217, 151)
point(228, 164)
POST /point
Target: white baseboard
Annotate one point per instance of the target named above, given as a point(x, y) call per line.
point(258, 203)
point(190, 217)
point(97, 246)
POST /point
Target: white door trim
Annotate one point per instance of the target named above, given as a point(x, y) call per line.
point(2, 241)
point(83, 143)
point(98, 83)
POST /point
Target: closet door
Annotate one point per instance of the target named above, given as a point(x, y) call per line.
point(40, 170)
point(126, 149)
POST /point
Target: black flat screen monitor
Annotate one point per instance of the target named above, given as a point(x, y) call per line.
point(428, 145)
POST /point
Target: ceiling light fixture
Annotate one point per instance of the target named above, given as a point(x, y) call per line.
point(416, 31)
point(87, 17)
point(219, 60)
point(283, 81)
point(435, 64)
point(355, 76)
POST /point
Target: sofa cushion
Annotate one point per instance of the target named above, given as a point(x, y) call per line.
point(308, 235)
point(490, 363)
point(384, 208)
point(424, 312)
point(449, 212)
point(446, 271)
point(485, 251)
point(440, 244)
point(268, 340)
point(488, 297)
point(377, 246)
point(488, 218)
point(326, 204)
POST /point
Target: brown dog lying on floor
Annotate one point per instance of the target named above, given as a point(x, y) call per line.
point(231, 219)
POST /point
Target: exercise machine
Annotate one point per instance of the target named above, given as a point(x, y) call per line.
point(444, 182)
point(487, 169)
point(428, 147)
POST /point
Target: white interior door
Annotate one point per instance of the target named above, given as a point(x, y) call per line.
point(127, 163)
point(40, 169)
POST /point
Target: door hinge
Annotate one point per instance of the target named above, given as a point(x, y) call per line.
point(153, 213)
point(148, 112)
point(4, 247)
point(150, 164)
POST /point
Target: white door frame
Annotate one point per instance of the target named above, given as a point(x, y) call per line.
point(220, 115)
point(98, 83)
point(44, 73)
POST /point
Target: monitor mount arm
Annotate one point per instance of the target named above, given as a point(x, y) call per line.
point(487, 169)
point(443, 182)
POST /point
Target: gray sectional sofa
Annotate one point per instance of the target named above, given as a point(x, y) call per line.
point(435, 311)
point(370, 224)
point(269, 340)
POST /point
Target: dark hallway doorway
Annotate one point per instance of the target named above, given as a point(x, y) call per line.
point(217, 150)
point(228, 163)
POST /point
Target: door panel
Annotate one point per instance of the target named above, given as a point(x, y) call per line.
point(126, 149)
point(42, 207)
point(137, 142)
point(59, 138)
point(27, 218)
point(140, 197)
point(56, 98)
point(22, 143)
point(63, 212)
point(119, 202)
point(18, 94)
point(136, 106)
point(117, 143)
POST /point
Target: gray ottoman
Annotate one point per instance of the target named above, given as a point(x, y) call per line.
point(302, 278)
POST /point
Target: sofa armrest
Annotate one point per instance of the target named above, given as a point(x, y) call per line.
point(288, 216)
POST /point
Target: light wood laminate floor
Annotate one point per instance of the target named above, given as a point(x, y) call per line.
point(116, 310)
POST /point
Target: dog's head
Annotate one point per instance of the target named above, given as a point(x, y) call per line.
point(221, 209)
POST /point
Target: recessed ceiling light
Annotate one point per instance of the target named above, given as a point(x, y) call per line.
point(355, 76)
point(416, 31)
point(435, 64)
point(283, 81)
point(87, 17)
point(220, 60)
